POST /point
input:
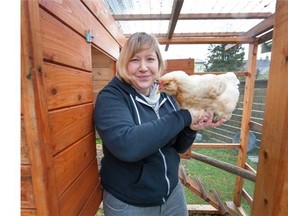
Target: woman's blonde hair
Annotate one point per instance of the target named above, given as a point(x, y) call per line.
point(138, 42)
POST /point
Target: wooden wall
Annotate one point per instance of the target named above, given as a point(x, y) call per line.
point(271, 189)
point(103, 70)
point(186, 65)
point(59, 173)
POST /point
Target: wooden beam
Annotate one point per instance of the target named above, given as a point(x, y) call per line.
point(246, 118)
point(201, 209)
point(35, 112)
point(102, 14)
point(262, 27)
point(225, 166)
point(191, 16)
point(216, 145)
point(271, 189)
point(207, 40)
point(266, 37)
point(247, 197)
point(177, 5)
point(199, 34)
point(237, 73)
point(255, 126)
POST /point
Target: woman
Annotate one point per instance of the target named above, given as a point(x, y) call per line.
point(142, 133)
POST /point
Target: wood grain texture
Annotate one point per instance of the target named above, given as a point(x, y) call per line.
point(186, 65)
point(271, 190)
point(27, 195)
point(75, 15)
point(73, 160)
point(70, 125)
point(102, 13)
point(75, 197)
point(66, 48)
point(67, 87)
point(93, 202)
point(34, 110)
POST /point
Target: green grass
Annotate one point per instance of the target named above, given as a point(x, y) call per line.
point(214, 178)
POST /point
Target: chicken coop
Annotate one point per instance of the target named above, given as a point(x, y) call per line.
point(68, 54)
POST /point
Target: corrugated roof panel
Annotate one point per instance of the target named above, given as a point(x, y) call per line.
point(229, 25)
point(140, 6)
point(153, 27)
point(228, 6)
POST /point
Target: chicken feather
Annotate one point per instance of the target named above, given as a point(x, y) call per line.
point(218, 94)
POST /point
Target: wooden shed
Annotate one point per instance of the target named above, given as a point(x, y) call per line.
point(68, 53)
point(67, 47)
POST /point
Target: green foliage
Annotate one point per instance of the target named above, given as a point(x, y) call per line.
point(221, 60)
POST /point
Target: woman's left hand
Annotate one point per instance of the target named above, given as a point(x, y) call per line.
point(206, 121)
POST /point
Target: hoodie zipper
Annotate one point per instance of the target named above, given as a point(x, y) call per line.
point(162, 155)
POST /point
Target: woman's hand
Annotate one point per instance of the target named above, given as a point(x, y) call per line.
point(205, 121)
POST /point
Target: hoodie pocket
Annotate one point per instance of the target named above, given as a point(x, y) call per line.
point(151, 186)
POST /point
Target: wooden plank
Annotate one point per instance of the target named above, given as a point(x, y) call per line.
point(67, 87)
point(73, 160)
point(216, 145)
point(93, 202)
point(271, 189)
point(62, 45)
point(28, 212)
point(69, 125)
point(237, 73)
point(98, 85)
point(202, 189)
point(191, 16)
point(207, 40)
point(24, 147)
point(194, 187)
point(75, 15)
point(233, 210)
point(102, 74)
point(176, 8)
point(35, 110)
point(246, 118)
point(102, 13)
point(75, 197)
point(101, 60)
point(27, 195)
point(201, 209)
point(260, 28)
point(220, 203)
point(247, 197)
point(186, 65)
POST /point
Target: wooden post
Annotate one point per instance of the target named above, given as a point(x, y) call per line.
point(271, 190)
point(246, 117)
point(35, 111)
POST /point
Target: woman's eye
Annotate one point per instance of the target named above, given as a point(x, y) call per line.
point(134, 60)
point(151, 59)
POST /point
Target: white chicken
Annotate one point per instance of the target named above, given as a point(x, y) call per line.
point(208, 92)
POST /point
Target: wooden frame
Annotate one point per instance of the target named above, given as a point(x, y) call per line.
point(45, 59)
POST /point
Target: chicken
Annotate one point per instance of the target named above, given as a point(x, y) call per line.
point(217, 94)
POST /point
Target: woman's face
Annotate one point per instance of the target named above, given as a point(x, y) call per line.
point(143, 70)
